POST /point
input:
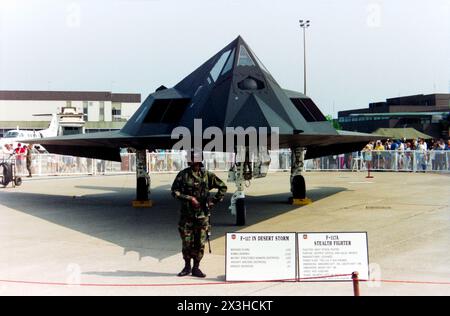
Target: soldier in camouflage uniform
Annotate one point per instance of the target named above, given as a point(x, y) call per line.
point(191, 187)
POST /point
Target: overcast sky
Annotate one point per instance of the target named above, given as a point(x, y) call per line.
point(358, 51)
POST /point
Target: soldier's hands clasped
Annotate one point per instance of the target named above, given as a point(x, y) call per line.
point(195, 203)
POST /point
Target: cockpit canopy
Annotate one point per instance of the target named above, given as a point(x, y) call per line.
point(13, 134)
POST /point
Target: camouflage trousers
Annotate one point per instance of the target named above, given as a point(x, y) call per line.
point(193, 233)
point(29, 166)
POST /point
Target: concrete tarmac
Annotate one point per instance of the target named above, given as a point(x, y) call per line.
point(83, 230)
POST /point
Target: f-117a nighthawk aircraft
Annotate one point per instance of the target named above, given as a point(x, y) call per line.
point(231, 89)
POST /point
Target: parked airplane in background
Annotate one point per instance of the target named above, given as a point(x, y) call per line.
point(13, 137)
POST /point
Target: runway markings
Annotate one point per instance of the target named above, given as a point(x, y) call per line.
point(361, 182)
point(378, 207)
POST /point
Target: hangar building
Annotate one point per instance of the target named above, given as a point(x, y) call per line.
point(103, 110)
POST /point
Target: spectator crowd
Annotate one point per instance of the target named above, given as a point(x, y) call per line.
point(402, 154)
point(21, 154)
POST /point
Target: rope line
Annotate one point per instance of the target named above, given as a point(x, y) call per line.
point(217, 283)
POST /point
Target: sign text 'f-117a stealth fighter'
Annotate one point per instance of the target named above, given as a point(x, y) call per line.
point(231, 103)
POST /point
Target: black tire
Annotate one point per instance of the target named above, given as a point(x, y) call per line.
point(18, 181)
point(298, 187)
point(142, 189)
point(241, 212)
point(7, 173)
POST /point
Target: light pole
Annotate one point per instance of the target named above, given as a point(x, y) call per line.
point(304, 25)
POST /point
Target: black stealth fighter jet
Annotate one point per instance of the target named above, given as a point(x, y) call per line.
point(231, 89)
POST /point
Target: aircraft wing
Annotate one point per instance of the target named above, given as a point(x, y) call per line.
point(103, 145)
point(106, 145)
point(319, 145)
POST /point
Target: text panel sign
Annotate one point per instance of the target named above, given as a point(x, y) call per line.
point(260, 256)
point(331, 254)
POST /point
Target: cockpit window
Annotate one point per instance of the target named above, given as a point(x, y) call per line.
point(244, 58)
point(229, 63)
point(12, 134)
point(215, 71)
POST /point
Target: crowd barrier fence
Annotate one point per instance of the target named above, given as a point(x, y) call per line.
point(166, 162)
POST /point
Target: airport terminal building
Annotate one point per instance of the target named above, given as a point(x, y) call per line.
point(102, 110)
point(426, 113)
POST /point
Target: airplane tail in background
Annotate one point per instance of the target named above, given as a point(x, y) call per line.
point(52, 130)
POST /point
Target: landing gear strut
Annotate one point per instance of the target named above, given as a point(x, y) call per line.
point(143, 181)
point(237, 206)
point(298, 186)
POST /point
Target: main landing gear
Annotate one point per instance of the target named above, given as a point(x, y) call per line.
point(238, 174)
point(298, 186)
point(142, 181)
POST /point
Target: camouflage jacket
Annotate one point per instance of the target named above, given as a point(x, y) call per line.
point(187, 185)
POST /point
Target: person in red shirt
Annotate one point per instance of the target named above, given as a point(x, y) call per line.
point(20, 153)
point(17, 149)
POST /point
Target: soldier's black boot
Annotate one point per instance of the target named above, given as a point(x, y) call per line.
point(187, 268)
point(196, 270)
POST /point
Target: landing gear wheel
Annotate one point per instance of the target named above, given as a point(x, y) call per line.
point(142, 189)
point(298, 187)
point(241, 212)
point(18, 181)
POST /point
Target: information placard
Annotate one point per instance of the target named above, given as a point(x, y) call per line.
point(260, 256)
point(330, 254)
